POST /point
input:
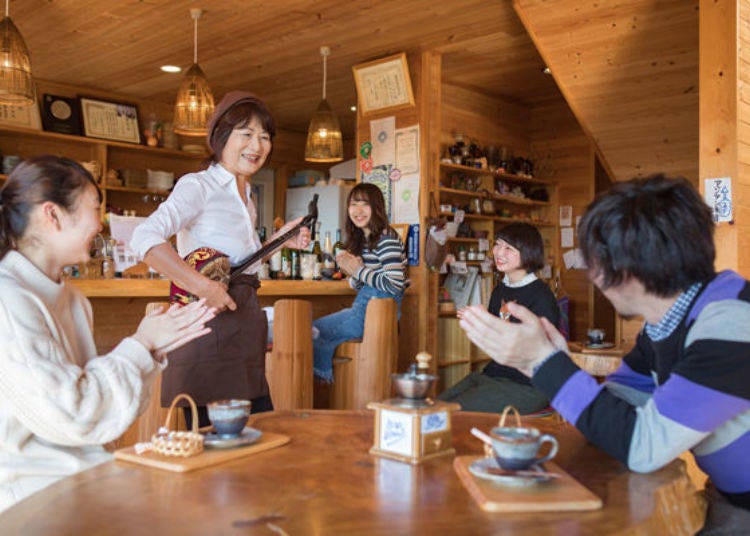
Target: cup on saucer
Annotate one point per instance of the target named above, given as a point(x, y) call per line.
point(229, 417)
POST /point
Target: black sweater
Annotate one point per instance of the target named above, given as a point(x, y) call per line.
point(539, 299)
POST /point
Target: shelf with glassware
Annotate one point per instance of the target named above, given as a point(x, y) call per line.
point(108, 161)
point(477, 203)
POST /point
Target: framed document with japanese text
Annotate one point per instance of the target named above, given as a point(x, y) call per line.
point(110, 120)
point(383, 84)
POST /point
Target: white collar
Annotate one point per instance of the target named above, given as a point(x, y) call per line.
point(528, 278)
point(28, 273)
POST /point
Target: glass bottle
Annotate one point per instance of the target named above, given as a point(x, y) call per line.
point(328, 261)
point(296, 269)
point(337, 247)
point(316, 249)
point(286, 264)
point(275, 264)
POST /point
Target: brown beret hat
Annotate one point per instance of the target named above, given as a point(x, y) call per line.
point(229, 100)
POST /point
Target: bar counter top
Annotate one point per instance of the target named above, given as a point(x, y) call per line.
point(159, 288)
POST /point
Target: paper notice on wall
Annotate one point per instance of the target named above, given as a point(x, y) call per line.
point(573, 259)
point(407, 149)
point(566, 237)
point(406, 199)
point(383, 141)
point(566, 215)
point(718, 196)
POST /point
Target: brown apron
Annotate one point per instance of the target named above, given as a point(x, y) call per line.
point(229, 362)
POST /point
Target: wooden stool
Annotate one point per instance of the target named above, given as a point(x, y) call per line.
point(289, 364)
point(362, 369)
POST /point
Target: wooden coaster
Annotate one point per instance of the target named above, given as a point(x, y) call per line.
point(204, 459)
point(556, 495)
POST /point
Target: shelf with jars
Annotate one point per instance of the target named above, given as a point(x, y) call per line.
point(105, 160)
point(478, 200)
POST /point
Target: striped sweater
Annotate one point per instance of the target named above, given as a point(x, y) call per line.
point(384, 267)
point(690, 390)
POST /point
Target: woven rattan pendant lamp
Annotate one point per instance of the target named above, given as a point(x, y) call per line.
point(195, 102)
point(16, 84)
point(324, 133)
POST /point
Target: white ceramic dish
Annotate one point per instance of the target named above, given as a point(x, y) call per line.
point(479, 468)
point(248, 436)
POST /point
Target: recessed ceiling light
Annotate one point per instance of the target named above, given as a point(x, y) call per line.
point(353, 108)
point(546, 70)
point(171, 68)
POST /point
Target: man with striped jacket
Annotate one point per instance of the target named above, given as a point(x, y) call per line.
point(685, 385)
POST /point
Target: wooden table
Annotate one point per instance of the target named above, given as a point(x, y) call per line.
point(325, 482)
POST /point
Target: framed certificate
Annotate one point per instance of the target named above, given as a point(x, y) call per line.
point(110, 120)
point(383, 84)
point(21, 116)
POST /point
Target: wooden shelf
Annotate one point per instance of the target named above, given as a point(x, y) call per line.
point(471, 240)
point(134, 190)
point(68, 138)
point(500, 219)
point(500, 174)
point(497, 197)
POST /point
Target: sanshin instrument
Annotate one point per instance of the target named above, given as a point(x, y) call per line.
point(215, 264)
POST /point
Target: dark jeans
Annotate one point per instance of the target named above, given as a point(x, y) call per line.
point(259, 405)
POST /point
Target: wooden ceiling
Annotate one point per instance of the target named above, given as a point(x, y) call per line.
point(272, 47)
point(629, 72)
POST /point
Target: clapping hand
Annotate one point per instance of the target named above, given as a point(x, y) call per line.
point(164, 330)
point(349, 264)
point(521, 345)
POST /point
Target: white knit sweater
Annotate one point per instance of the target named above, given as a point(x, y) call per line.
point(59, 401)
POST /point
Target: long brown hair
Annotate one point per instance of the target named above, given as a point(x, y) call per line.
point(355, 237)
point(33, 182)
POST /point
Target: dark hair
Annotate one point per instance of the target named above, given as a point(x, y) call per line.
point(355, 237)
point(527, 240)
point(35, 181)
point(656, 229)
point(239, 116)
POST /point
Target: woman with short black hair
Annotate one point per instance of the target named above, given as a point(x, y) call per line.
point(518, 253)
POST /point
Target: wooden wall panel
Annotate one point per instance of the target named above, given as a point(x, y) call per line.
point(565, 155)
point(488, 120)
point(629, 71)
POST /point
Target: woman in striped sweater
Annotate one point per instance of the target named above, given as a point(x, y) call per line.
point(375, 262)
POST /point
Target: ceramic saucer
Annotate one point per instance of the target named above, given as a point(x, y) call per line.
point(601, 345)
point(248, 436)
point(479, 468)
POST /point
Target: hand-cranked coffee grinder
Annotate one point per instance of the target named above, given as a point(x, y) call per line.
point(413, 428)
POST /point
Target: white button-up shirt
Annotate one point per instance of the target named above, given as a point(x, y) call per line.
point(203, 210)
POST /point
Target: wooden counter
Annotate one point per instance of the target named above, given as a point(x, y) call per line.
point(119, 305)
point(159, 288)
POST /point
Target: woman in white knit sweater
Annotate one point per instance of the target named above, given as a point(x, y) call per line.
point(59, 400)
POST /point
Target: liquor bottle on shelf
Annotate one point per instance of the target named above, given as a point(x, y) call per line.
point(296, 269)
point(316, 249)
point(339, 245)
point(262, 235)
point(328, 259)
point(275, 264)
point(286, 265)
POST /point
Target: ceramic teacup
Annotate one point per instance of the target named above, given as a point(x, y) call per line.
point(229, 416)
point(595, 335)
point(516, 448)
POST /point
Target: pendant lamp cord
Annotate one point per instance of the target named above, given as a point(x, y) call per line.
point(195, 39)
point(7, 2)
point(325, 71)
